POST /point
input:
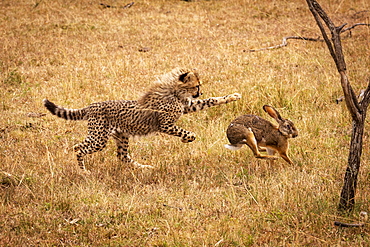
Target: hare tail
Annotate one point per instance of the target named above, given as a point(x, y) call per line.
point(233, 147)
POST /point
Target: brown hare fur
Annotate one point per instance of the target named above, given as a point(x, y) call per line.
point(261, 135)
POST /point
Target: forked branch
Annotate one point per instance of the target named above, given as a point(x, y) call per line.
point(335, 48)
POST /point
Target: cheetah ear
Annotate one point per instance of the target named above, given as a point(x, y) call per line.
point(184, 77)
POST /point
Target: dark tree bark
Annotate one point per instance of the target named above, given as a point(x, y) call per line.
point(356, 109)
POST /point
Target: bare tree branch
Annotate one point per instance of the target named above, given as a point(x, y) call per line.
point(355, 25)
point(285, 43)
point(335, 48)
point(359, 97)
point(366, 97)
point(285, 39)
point(350, 97)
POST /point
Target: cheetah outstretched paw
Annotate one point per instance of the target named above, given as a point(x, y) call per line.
point(233, 97)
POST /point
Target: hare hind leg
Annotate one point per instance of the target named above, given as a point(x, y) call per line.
point(251, 142)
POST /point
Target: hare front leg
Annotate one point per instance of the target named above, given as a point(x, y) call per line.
point(282, 149)
point(284, 155)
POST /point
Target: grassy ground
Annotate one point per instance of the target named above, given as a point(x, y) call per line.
point(199, 194)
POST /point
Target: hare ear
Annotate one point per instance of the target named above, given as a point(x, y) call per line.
point(272, 112)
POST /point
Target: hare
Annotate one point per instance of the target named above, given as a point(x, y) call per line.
point(261, 135)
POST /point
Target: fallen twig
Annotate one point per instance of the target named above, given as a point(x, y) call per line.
point(107, 5)
point(363, 218)
point(178, 208)
point(123, 7)
point(341, 224)
point(128, 5)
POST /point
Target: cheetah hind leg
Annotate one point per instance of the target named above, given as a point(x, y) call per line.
point(80, 155)
point(90, 145)
point(122, 151)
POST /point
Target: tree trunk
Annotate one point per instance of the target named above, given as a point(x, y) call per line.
point(356, 109)
point(347, 197)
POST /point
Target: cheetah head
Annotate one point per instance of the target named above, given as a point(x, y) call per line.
point(189, 84)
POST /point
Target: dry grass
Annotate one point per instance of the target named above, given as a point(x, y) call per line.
point(200, 194)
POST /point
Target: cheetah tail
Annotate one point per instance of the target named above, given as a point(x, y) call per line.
point(68, 114)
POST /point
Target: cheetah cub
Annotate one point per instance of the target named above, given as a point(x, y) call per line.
point(173, 95)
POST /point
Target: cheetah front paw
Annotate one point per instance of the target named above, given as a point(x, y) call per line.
point(188, 138)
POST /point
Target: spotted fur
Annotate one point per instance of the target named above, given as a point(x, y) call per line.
point(156, 111)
